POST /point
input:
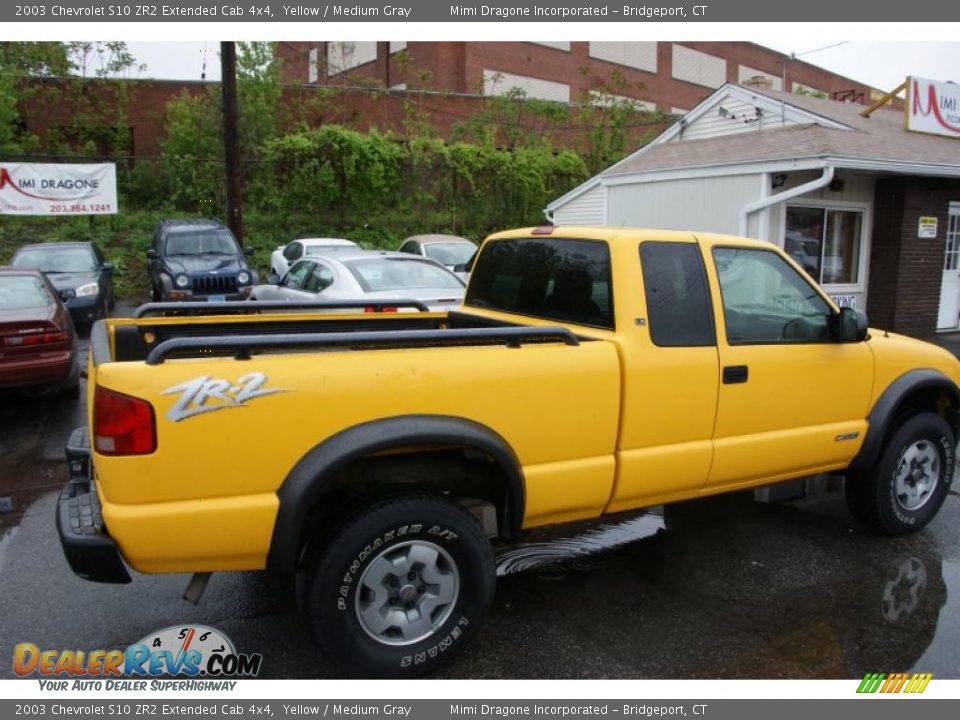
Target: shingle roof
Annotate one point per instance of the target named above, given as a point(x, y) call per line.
point(880, 137)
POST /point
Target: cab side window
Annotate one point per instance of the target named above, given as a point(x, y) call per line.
point(766, 301)
point(678, 299)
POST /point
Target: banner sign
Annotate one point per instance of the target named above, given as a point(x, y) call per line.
point(44, 189)
point(933, 107)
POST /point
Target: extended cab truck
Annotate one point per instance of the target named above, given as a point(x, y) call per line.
point(590, 371)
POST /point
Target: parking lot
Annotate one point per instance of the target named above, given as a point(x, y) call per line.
point(718, 588)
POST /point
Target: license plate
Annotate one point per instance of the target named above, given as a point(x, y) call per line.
point(217, 298)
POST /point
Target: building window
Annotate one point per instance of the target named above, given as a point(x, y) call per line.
point(825, 242)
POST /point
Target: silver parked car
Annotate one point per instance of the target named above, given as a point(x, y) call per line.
point(450, 251)
point(366, 275)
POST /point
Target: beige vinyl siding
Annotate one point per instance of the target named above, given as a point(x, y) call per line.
point(704, 204)
point(586, 209)
point(713, 124)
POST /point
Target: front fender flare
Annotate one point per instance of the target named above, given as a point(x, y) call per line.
point(885, 409)
point(306, 481)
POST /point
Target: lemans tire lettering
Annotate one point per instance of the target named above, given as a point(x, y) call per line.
point(440, 647)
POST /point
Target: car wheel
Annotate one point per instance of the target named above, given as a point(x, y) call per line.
point(905, 489)
point(398, 588)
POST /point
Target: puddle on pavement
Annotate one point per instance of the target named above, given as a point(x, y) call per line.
point(546, 556)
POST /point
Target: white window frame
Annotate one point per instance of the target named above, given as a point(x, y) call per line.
point(863, 269)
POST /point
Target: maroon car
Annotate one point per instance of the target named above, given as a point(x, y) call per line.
point(38, 344)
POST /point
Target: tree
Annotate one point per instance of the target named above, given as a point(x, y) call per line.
point(20, 60)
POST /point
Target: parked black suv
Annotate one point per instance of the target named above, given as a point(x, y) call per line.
point(198, 260)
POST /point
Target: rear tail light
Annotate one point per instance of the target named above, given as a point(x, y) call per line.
point(372, 308)
point(122, 425)
point(35, 336)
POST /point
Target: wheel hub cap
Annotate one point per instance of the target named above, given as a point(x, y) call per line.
point(917, 475)
point(407, 592)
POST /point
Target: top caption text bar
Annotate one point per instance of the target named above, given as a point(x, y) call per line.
point(261, 11)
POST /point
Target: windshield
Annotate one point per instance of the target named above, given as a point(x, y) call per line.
point(379, 274)
point(313, 250)
point(55, 259)
point(20, 292)
point(449, 253)
point(207, 241)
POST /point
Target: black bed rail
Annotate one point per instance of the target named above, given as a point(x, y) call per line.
point(242, 346)
point(249, 306)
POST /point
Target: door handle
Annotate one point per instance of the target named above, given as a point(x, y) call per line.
point(734, 374)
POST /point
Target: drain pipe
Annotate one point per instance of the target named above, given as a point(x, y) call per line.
point(747, 210)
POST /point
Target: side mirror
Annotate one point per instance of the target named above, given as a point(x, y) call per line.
point(851, 325)
point(248, 251)
point(273, 279)
point(460, 268)
point(67, 294)
point(107, 267)
point(151, 254)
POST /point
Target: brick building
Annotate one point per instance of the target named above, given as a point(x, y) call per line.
point(867, 207)
point(373, 82)
point(672, 77)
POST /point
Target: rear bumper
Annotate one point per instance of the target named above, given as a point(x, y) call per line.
point(89, 550)
point(52, 369)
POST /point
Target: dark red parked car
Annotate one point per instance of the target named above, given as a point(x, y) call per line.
point(38, 343)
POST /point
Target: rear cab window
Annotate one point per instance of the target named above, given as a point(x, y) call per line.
point(555, 279)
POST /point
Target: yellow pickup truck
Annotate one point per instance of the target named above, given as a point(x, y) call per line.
point(589, 371)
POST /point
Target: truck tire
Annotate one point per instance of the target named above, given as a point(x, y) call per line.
point(399, 587)
point(905, 489)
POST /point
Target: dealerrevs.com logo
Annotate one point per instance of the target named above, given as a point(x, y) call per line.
point(179, 651)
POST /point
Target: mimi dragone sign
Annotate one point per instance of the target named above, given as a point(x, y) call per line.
point(45, 189)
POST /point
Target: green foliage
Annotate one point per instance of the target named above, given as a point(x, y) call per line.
point(192, 149)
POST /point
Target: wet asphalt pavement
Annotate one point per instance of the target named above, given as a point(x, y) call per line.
point(717, 588)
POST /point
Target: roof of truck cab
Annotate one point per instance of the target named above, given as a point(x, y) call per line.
point(616, 235)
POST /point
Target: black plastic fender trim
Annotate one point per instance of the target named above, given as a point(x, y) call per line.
point(883, 411)
point(308, 478)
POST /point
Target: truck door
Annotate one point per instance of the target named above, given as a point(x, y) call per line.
point(670, 375)
point(792, 401)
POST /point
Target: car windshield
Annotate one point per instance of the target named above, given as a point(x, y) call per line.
point(450, 253)
point(21, 292)
point(207, 241)
point(55, 259)
point(314, 250)
point(379, 274)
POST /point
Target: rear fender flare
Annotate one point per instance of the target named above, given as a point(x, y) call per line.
point(309, 477)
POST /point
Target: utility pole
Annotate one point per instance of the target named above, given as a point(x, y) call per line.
point(231, 150)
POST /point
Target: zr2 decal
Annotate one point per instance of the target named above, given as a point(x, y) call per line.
point(205, 394)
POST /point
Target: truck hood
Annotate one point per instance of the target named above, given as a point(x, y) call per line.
point(896, 354)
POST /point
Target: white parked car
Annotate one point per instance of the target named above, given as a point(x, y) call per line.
point(284, 256)
point(367, 275)
point(448, 250)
